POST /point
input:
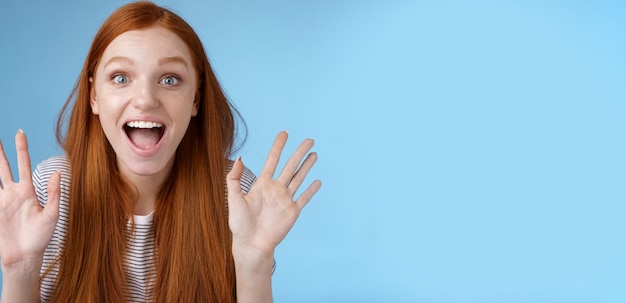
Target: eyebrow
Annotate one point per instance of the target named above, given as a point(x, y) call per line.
point(169, 60)
point(162, 61)
point(123, 60)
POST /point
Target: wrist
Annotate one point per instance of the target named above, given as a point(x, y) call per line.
point(253, 271)
point(20, 280)
point(251, 260)
point(23, 269)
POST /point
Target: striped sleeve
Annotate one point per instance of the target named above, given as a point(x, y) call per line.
point(41, 176)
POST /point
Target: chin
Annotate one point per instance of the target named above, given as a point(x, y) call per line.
point(146, 168)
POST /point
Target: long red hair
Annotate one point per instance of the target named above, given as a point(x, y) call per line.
point(193, 256)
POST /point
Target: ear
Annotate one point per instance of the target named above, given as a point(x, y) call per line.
point(93, 99)
point(196, 105)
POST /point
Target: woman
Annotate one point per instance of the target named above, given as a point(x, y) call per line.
point(136, 209)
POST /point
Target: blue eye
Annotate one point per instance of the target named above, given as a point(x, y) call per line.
point(170, 80)
point(120, 79)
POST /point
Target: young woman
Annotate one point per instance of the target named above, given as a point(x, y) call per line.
point(146, 205)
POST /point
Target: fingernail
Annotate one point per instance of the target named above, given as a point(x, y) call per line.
point(239, 159)
point(20, 131)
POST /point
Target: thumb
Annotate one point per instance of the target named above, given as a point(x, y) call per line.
point(54, 196)
point(233, 178)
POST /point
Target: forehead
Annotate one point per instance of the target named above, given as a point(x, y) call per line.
point(150, 42)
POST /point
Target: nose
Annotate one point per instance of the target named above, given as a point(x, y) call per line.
point(144, 95)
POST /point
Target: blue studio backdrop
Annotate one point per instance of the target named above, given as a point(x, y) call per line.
point(471, 151)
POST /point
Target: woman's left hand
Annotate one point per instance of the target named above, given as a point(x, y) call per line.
point(261, 219)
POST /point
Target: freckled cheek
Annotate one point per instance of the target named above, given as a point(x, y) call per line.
point(110, 127)
point(111, 107)
point(181, 98)
point(111, 94)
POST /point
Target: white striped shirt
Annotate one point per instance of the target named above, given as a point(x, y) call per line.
point(140, 271)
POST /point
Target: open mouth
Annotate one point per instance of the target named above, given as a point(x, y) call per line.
point(144, 134)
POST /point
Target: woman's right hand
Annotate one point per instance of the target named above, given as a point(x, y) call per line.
point(25, 227)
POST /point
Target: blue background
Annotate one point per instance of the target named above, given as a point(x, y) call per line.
point(471, 151)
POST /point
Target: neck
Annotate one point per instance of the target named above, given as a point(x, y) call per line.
point(147, 189)
point(147, 192)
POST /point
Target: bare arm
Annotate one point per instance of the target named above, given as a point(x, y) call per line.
point(253, 270)
point(20, 282)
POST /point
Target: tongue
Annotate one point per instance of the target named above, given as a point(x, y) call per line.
point(144, 138)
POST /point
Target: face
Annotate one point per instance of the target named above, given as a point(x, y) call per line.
point(143, 92)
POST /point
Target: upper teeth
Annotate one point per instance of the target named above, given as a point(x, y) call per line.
point(143, 124)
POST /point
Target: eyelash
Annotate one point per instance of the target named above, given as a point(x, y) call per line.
point(176, 80)
point(115, 78)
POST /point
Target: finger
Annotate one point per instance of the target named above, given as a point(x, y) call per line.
point(23, 159)
point(233, 179)
point(294, 161)
point(302, 172)
point(308, 194)
point(54, 196)
point(274, 155)
point(5, 169)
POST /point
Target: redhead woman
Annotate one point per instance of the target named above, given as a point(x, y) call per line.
point(146, 204)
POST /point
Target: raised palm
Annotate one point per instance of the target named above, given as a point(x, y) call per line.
point(262, 218)
point(25, 227)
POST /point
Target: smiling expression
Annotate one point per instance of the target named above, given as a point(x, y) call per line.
point(144, 90)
